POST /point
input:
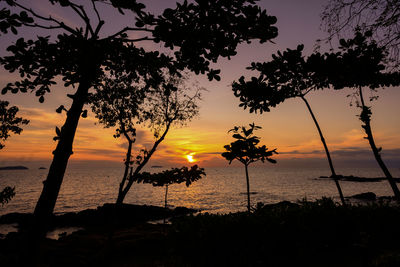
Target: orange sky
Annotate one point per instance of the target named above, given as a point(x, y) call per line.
point(288, 127)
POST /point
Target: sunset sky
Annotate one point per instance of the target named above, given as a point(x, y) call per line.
point(288, 127)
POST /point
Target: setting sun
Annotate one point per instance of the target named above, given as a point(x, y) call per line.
point(190, 158)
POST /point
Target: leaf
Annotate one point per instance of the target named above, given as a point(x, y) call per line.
point(238, 136)
point(14, 30)
point(139, 24)
point(84, 114)
point(58, 131)
point(60, 109)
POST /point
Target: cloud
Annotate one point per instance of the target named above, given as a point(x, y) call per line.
point(297, 152)
point(366, 153)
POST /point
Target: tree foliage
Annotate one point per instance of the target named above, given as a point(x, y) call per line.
point(126, 106)
point(287, 75)
point(9, 122)
point(245, 148)
point(169, 177)
point(200, 32)
point(7, 194)
point(82, 53)
point(360, 62)
point(381, 17)
point(172, 176)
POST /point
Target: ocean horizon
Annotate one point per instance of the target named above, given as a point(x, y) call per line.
point(223, 190)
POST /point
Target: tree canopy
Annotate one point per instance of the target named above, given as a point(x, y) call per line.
point(287, 75)
point(9, 122)
point(360, 62)
point(126, 106)
point(199, 32)
point(172, 176)
point(82, 53)
point(245, 148)
point(381, 17)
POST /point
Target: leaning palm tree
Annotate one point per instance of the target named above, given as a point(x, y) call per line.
point(288, 75)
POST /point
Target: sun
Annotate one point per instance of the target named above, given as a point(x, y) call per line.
point(190, 158)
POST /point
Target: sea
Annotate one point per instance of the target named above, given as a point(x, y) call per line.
point(222, 190)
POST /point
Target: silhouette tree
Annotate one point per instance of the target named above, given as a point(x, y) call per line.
point(9, 123)
point(125, 105)
point(286, 76)
point(83, 52)
point(172, 176)
point(246, 151)
point(380, 17)
point(7, 194)
point(360, 63)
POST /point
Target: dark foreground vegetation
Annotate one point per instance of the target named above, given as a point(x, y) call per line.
point(317, 233)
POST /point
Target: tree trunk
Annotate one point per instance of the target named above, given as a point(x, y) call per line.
point(127, 166)
point(51, 186)
point(248, 188)
point(122, 193)
point(328, 155)
point(366, 119)
point(166, 203)
point(166, 196)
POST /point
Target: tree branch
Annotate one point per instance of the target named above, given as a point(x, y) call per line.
point(61, 24)
point(137, 40)
point(96, 11)
point(42, 26)
point(80, 10)
point(126, 29)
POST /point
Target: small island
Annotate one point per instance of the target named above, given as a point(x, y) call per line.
point(13, 168)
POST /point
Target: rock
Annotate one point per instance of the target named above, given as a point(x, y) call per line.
point(365, 196)
point(352, 178)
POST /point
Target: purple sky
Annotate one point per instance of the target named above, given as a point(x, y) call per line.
point(287, 127)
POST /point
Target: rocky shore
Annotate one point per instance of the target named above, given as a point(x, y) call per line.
point(318, 233)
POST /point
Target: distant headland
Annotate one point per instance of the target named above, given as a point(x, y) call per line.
point(13, 168)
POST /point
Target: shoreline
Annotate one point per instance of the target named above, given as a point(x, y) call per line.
point(310, 232)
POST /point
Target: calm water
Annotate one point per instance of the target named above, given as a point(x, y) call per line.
point(221, 191)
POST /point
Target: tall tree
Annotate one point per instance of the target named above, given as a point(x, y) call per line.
point(360, 62)
point(286, 76)
point(9, 123)
point(82, 53)
point(246, 151)
point(381, 17)
point(127, 106)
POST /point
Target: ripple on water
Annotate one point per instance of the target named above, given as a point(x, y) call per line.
point(223, 190)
